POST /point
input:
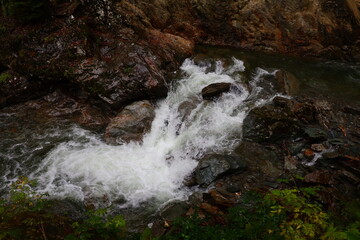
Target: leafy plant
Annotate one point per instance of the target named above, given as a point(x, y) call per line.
point(98, 226)
point(284, 214)
point(25, 215)
point(22, 214)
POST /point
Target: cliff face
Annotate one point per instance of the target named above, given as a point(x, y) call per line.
point(321, 28)
point(115, 52)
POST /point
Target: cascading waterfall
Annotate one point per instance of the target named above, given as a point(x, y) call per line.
point(153, 170)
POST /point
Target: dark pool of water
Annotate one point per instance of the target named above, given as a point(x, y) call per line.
point(332, 79)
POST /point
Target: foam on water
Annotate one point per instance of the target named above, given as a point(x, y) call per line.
point(155, 169)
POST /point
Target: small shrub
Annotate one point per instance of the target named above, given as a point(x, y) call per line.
point(98, 226)
point(25, 215)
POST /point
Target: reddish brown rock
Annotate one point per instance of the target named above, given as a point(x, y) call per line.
point(222, 200)
point(210, 209)
point(309, 154)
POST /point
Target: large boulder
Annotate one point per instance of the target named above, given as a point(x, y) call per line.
point(270, 123)
point(259, 159)
point(213, 166)
point(131, 123)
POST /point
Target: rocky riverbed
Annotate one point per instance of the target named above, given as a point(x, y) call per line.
point(103, 65)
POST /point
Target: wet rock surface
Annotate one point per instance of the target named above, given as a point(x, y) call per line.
point(331, 163)
point(92, 58)
point(122, 51)
point(212, 167)
point(214, 90)
point(270, 123)
point(131, 123)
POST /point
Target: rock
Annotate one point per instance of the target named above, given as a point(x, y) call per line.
point(259, 159)
point(190, 181)
point(158, 229)
point(316, 134)
point(213, 166)
point(336, 141)
point(196, 198)
point(131, 123)
point(331, 155)
point(290, 162)
point(269, 124)
point(174, 210)
point(186, 107)
point(214, 90)
point(16, 89)
point(286, 82)
point(210, 209)
point(352, 110)
point(325, 177)
point(221, 200)
point(309, 154)
point(318, 147)
point(71, 209)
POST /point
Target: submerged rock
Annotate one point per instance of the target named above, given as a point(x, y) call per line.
point(286, 82)
point(214, 90)
point(213, 166)
point(131, 123)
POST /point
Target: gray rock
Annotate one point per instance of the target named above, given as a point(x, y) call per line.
point(186, 107)
point(174, 210)
point(213, 166)
point(259, 159)
point(131, 123)
point(270, 123)
point(316, 134)
point(318, 147)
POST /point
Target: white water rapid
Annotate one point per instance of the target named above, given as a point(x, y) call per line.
point(154, 170)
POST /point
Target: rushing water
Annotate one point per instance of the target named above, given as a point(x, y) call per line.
point(70, 162)
point(83, 167)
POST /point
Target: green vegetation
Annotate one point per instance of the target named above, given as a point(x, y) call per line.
point(26, 215)
point(4, 76)
point(281, 214)
point(288, 214)
point(26, 11)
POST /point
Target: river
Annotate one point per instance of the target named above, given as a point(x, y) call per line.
point(69, 162)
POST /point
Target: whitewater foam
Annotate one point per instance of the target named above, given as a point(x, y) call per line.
point(154, 169)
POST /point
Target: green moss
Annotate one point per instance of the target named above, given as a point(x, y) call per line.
point(4, 77)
